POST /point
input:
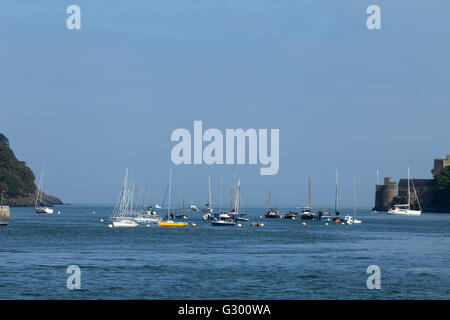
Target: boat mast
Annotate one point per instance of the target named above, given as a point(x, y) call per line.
point(409, 191)
point(354, 198)
point(170, 192)
point(309, 190)
point(220, 197)
point(209, 188)
point(231, 205)
point(336, 203)
point(239, 197)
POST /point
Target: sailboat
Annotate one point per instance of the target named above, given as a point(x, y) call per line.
point(240, 217)
point(307, 212)
point(169, 222)
point(336, 219)
point(122, 215)
point(192, 206)
point(147, 214)
point(226, 220)
point(39, 206)
point(348, 219)
point(182, 216)
point(272, 213)
point(405, 209)
point(208, 208)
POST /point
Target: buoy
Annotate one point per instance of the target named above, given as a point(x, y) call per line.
point(93, 212)
point(239, 225)
point(101, 220)
point(342, 223)
point(59, 212)
point(260, 217)
point(147, 225)
point(193, 224)
point(326, 223)
point(110, 225)
point(303, 223)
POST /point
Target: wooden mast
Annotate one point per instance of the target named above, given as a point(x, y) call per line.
point(239, 198)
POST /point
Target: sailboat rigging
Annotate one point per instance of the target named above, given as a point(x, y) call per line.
point(39, 206)
point(405, 209)
point(169, 222)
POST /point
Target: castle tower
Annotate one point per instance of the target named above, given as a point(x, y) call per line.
point(384, 194)
point(440, 164)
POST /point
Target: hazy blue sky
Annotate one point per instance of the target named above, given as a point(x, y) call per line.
point(95, 101)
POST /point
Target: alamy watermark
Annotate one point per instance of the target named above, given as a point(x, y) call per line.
point(213, 152)
point(74, 280)
point(374, 280)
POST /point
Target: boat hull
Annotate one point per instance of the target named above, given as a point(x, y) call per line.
point(43, 210)
point(404, 212)
point(222, 223)
point(172, 224)
point(147, 220)
point(124, 224)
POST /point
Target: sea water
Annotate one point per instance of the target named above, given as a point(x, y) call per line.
point(281, 260)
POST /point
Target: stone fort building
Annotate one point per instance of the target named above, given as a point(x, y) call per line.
point(390, 193)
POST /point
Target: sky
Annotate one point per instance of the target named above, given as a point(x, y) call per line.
point(90, 103)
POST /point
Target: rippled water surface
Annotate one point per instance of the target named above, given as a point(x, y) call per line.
point(282, 260)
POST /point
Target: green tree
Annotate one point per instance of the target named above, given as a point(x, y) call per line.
point(441, 190)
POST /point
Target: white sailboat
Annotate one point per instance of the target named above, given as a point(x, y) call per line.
point(192, 206)
point(39, 206)
point(147, 214)
point(405, 209)
point(208, 207)
point(348, 219)
point(122, 214)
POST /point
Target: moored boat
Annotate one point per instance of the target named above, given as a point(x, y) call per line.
point(405, 209)
point(324, 215)
point(307, 211)
point(39, 206)
point(290, 215)
point(272, 213)
point(169, 222)
point(123, 215)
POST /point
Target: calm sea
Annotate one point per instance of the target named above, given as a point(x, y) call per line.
point(282, 260)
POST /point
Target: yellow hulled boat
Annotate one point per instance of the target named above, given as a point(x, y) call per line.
point(170, 223)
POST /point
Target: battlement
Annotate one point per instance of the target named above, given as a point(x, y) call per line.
point(440, 164)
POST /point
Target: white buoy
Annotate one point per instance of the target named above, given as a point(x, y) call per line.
point(101, 220)
point(303, 223)
point(193, 224)
point(326, 223)
point(110, 225)
point(59, 212)
point(147, 225)
point(239, 225)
